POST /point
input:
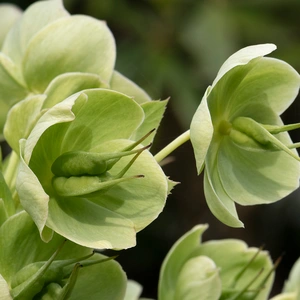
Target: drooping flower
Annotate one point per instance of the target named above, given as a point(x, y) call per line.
point(214, 270)
point(103, 195)
point(238, 135)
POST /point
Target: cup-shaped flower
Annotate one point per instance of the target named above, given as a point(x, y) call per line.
point(238, 135)
point(32, 269)
point(224, 269)
point(49, 55)
point(80, 176)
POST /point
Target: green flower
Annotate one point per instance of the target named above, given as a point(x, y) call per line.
point(32, 269)
point(49, 55)
point(238, 136)
point(225, 269)
point(80, 177)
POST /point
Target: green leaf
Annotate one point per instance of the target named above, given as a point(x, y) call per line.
point(51, 51)
point(122, 84)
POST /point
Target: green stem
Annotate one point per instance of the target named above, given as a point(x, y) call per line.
point(293, 146)
point(183, 138)
point(11, 170)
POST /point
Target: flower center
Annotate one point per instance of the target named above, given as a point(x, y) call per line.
point(224, 127)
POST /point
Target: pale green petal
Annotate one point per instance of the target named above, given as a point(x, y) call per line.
point(154, 112)
point(67, 45)
point(201, 132)
point(270, 176)
point(107, 115)
point(293, 282)
point(175, 261)
point(32, 196)
point(122, 84)
point(61, 113)
point(21, 119)
point(242, 57)
point(36, 17)
point(9, 14)
point(11, 91)
point(4, 290)
point(133, 290)
point(285, 296)
point(90, 225)
point(222, 207)
point(67, 84)
point(218, 201)
point(101, 281)
point(198, 279)
point(267, 81)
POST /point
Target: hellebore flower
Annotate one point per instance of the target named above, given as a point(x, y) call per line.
point(224, 269)
point(238, 136)
point(49, 55)
point(81, 177)
point(32, 269)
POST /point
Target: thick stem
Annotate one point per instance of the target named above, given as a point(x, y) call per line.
point(172, 146)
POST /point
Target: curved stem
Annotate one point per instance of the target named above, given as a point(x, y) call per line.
point(172, 146)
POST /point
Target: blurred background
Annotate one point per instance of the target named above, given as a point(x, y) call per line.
point(174, 48)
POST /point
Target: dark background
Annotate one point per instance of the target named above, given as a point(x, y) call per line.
point(175, 48)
